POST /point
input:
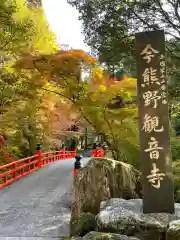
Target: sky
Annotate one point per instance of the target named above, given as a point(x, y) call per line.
point(63, 20)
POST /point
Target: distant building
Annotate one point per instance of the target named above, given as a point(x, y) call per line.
point(115, 78)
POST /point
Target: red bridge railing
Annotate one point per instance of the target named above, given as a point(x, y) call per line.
point(20, 168)
point(17, 169)
point(98, 152)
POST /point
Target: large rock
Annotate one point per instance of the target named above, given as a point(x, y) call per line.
point(106, 236)
point(126, 217)
point(83, 224)
point(102, 179)
point(101, 236)
point(173, 232)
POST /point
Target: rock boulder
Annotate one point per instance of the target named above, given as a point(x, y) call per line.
point(106, 236)
point(173, 232)
point(102, 179)
point(126, 217)
point(83, 224)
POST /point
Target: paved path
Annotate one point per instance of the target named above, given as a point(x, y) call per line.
point(36, 207)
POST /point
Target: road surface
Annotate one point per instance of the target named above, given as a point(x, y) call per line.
point(36, 207)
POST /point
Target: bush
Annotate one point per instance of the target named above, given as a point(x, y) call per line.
point(176, 174)
point(175, 148)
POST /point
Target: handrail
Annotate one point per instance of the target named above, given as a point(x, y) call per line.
point(17, 161)
point(98, 152)
point(17, 169)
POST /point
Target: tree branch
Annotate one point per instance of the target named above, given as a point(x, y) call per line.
point(167, 17)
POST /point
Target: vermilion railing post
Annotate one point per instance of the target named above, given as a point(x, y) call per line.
point(59, 155)
point(14, 171)
point(64, 153)
point(29, 165)
point(39, 156)
point(46, 158)
point(5, 179)
point(72, 153)
point(94, 153)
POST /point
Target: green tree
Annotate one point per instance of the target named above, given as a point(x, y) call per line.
point(109, 30)
point(127, 17)
point(106, 32)
point(26, 125)
point(24, 29)
point(118, 125)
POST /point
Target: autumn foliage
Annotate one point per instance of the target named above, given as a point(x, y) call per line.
point(88, 101)
point(63, 62)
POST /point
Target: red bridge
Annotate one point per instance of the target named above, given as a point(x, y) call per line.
point(37, 205)
point(17, 169)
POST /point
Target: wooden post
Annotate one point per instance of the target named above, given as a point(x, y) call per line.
point(158, 193)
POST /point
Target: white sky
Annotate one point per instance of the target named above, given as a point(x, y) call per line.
point(63, 20)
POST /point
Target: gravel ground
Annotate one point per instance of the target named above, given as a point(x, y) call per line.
point(36, 207)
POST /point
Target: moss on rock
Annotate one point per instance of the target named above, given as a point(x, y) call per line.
point(107, 236)
point(173, 232)
point(70, 238)
point(82, 224)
